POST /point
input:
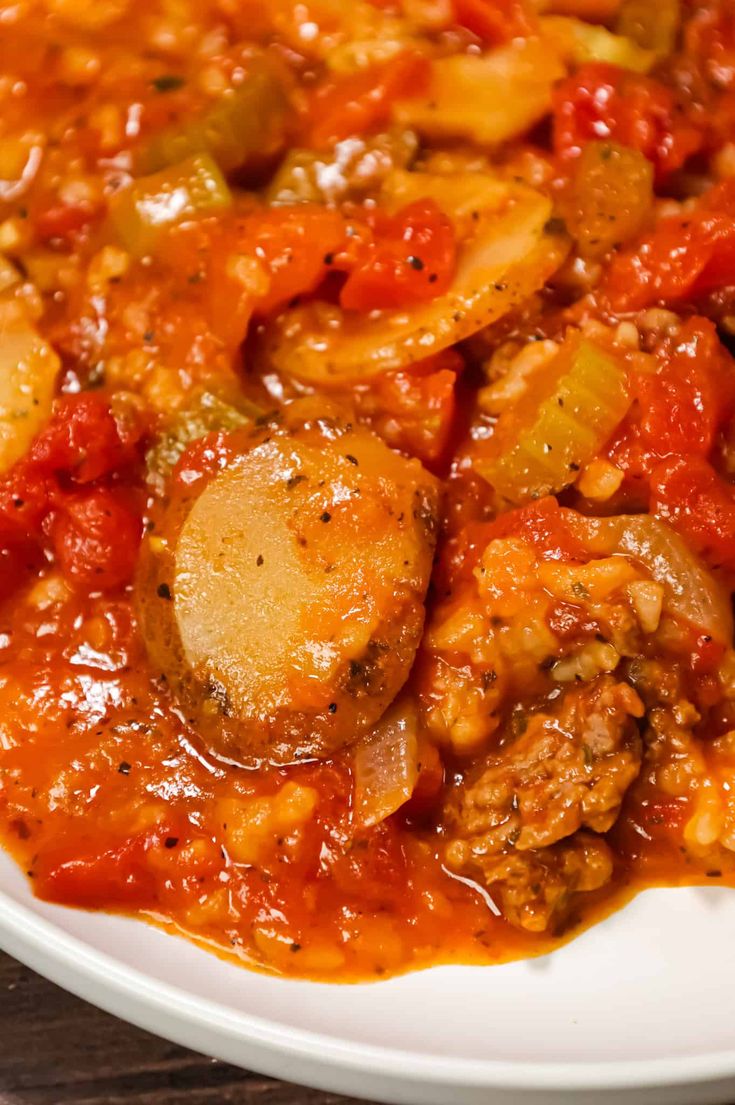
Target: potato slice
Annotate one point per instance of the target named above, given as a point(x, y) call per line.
point(514, 247)
point(486, 98)
point(28, 371)
point(283, 601)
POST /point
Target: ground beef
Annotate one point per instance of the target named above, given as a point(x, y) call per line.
point(569, 769)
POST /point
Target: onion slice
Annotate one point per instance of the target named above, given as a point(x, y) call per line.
point(513, 250)
point(691, 591)
point(386, 765)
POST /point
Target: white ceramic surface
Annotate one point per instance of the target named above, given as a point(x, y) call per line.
point(639, 1009)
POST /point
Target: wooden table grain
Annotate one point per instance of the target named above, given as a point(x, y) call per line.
point(58, 1050)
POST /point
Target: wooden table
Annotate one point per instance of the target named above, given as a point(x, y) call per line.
point(57, 1050)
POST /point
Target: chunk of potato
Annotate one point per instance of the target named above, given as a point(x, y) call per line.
point(486, 98)
point(283, 600)
point(28, 371)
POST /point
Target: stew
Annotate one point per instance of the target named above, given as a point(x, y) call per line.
point(367, 467)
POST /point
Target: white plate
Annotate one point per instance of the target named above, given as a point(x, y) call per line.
point(640, 1009)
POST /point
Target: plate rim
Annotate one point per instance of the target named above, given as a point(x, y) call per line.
point(126, 992)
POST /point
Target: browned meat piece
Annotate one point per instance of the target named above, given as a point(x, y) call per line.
point(536, 888)
point(568, 770)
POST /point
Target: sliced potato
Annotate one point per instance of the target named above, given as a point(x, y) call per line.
point(284, 600)
point(513, 249)
point(28, 371)
point(486, 98)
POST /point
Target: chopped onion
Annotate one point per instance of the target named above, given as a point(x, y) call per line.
point(513, 250)
point(691, 591)
point(387, 765)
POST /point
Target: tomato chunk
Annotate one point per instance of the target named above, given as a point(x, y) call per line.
point(606, 101)
point(295, 244)
point(687, 492)
point(96, 537)
point(64, 220)
point(494, 21)
point(411, 260)
point(414, 411)
point(84, 440)
point(94, 533)
point(118, 876)
point(362, 101)
point(683, 257)
point(680, 408)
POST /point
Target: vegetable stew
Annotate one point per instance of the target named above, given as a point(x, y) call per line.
point(367, 467)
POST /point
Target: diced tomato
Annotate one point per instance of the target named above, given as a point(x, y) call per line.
point(687, 492)
point(361, 102)
point(95, 536)
point(84, 441)
point(205, 457)
point(709, 37)
point(64, 220)
point(683, 257)
point(411, 260)
point(542, 524)
point(606, 101)
point(116, 877)
point(494, 21)
point(706, 655)
point(295, 244)
point(20, 555)
point(25, 498)
point(414, 410)
point(680, 408)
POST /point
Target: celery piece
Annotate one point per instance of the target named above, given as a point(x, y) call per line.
point(652, 24)
point(153, 204)
point(581, 42)
point(245, 124)
point(560, 425)
point(608, 199)
point(208, 413)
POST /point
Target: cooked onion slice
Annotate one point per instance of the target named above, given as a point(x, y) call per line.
point(691, 591)
point(513, 250)
point(387, 765)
